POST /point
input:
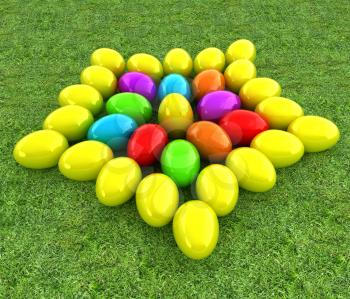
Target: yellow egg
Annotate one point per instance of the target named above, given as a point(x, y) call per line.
point(217, 186)
point(279, 112)
point(282, 148)
point(82, 95)
point(175, 114)
point(146, 64)
point(117, 181)
point(157, 199)
point(196, 229)
point(40, 149)
point(72, 121)
point(178, 61)
point(209, 58)
point(110, 59)
point(258, 89)
point(83, 161)
point(100, 78)
point(240, 49)
point(315, 132)
point(238, 73)
point(253, 170)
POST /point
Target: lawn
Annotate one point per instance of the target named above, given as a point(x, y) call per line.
point(56, 240)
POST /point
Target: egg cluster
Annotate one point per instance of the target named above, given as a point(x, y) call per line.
point(240, 121)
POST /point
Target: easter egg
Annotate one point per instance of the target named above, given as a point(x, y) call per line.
point(207, 81)
point(211, 140)
point(146, 144)
point(40, 149)
point(175, 114)
point(258, 89)
point(218, 187)
point(138, 83)
point(72, 121)
point(113, 130)
point(157, 199)
point(217, 104)
point(100, 78)
point(209, 58)
point(240, 49)
point(178, 61)
point(253, 170)
point(82, 95)
point(132, 104)
point(110, 59)
point(315, 132)
point(196, 229)
point(180, 161)
point(83, 161)
point(282, 148)
point(146, 64)
point(242, 126)
point(174, 83)
point(238, 73)
point(279, 112)
point(117, 181)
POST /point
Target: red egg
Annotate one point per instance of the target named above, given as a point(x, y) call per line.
point(242, 126)
point(146, 144)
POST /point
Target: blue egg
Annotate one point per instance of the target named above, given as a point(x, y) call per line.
point(174, 83)
point(113, 130)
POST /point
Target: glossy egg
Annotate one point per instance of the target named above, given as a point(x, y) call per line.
point(196, 229)
point(240, 49)
point(100, 78)
point(217, 104)
point(83, 161)
point(157, 199)
point(242, 126)
point(175, 114)
point(146, 144)
point(279, 112)
point(72, 121)
point(211, 141)
point(209, 58)
point(178, 61)
point(238, 73)
point(174, 83)
point(110, 59)
point(218, 187)
point(82, 95)
point(113, 130)
point(258, 89)
point(117, 181)
point(282, 148)
point(180, 161)
point(253, 170)
point(138, 83)
point(132, 104)
point(315, 132)
point(207, 81)
point(40, 149)
point(146, 64)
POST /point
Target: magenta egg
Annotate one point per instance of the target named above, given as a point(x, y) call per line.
point(138, 83)
point(216, 104)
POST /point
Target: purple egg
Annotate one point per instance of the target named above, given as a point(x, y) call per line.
point(216, 104)
point(138, 83)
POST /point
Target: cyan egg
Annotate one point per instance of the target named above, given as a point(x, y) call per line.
point(113, 130)
point(174, 83)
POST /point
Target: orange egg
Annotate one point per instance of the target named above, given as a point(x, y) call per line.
point(211, 140)
point(207, 81)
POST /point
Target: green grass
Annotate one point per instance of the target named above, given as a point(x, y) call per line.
point(56, 240)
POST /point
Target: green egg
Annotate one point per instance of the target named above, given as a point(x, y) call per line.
point(132, 104)
point(180, 161)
